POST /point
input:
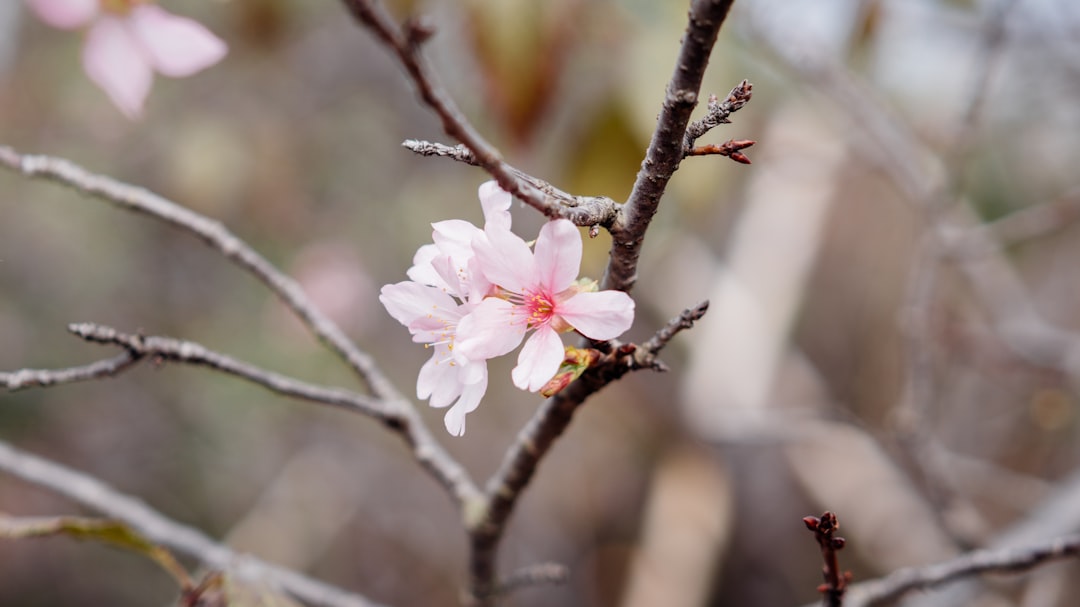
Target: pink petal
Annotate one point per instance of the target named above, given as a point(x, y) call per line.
point(113, 59)
point(469, 401)
point(422, 270)
point(438, 380)
point(496, 203)
point(504, 259)
point(176, 46)
point(409, 301)
point(539, 360)
point(65, 14)
point(558, 254)
point(600, 315)
point(490, 330)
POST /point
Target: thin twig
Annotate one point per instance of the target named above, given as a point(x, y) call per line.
point(1009, 560)
point(406, 42)
point(534, 575)
point(646, 353)
point(582, 210)
point(28, 378)
point(717, 114)
point(166, 349)
point(836, 581)
point(91, 492)
point(667, 147)
point(408, 423)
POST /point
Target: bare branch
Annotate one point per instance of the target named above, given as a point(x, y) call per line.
point(1009, 560)
point(187, 352)
point(91, 492)
point(27, 378)
point(397, 411)
point(667, 147)
point(214, 234)
point(717, 114)
point(646, 353)
point(534, 575)
point(406, 41)
point(582, 210)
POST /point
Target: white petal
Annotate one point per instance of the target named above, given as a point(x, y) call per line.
point(438, 380)
point(177, 46)
point(539, 360)
point(469, 401)
point(115, 62)
point(505, 260)
point(496, 203)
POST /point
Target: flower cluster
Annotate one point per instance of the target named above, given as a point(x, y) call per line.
point(475, 294)
point(128, 40)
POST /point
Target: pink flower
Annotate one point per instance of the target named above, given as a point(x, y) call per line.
point(443, 289)
point(128, 41)
point(432, 315)
point(538, 292)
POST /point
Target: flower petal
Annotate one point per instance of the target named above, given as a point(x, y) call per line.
point(115, 62)
point(496, 203)
point(438, 380)
point(469, 401)
point(504, 259)
point(600, 315)
point(176, 46)
point(558, 254)
point(64, 14)
point(539, 360)
point(489, 330)
point(409, 301)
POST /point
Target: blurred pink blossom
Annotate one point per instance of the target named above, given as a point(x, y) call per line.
point(128, 40)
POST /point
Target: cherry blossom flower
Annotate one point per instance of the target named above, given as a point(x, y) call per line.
point(443, 288)
point(128, 40)
point(538, 292)
point(432, 316)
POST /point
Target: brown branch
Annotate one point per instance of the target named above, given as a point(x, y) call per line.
point(645, 356)
point(1008, 560)
point(717, 114)
point(28, 378)
point(836, 581)
point(91, 492)
point(666, 149)
point(730, 148)
point(582, 210)
point(406, 42)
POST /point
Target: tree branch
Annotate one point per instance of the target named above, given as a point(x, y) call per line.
point(667, 147)
point(1009, 560)
point(91, 492)
point(585, 211)
point(406, 42)
point(28, 378)
point(406, 419)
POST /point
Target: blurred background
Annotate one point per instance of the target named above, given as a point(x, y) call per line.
point(891, 337)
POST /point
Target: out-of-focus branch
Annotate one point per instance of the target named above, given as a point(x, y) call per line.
point(406, 41)
point(93, 493)
point(406, 419)
point(582, 210)
point(667, 147)
point(214, 234)
point(1009, 560)
point(161, 349)
point(28, 378)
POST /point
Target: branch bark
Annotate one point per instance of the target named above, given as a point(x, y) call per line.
point(92, 493)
